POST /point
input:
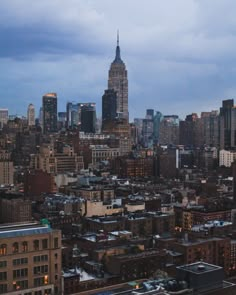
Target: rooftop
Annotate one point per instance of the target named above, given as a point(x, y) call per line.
point(27, 229)
point(199, 267)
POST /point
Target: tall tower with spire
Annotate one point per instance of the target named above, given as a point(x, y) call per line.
point(117, 80)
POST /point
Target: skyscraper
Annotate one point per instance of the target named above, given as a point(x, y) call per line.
point(109, 106)
point(50, 113)
point(117, 80)
point(72, 114)
point(3, 117)
point(31, 115)
point(227, 129)
point(88, 118)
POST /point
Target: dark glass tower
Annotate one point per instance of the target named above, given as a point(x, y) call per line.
point(88, 118)
point(50, 113)
point(109, 106)
point(226, 124)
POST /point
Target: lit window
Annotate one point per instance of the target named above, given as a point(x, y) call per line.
point(45, 280)
point(3, 249)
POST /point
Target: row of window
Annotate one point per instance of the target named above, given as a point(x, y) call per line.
point(24, 246)
point(23, 284)
point(24, 260)
point(40, 269)
point(19, 285)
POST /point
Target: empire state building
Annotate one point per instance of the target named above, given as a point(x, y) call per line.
point(117, 80)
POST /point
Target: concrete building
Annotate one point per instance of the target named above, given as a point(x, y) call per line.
point(30, 259)
point(6, 168)
point(31, 115)
point(226, 158)
point(14, 210)
point(3, 117)
point(102, 153)
point(54, 161)
point(169, 130)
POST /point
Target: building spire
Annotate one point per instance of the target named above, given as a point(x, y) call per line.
point(118, 58)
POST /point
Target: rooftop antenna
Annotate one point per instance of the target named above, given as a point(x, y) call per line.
point(117, 37)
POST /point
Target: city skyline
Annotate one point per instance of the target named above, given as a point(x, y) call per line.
point(178, 63)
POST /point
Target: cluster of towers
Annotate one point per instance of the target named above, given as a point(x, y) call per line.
point(83, 115)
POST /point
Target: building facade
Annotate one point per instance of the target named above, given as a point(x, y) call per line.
point(30, 259)
point(109, 106)
point(31, 115)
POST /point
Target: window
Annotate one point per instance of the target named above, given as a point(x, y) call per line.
point(40, 258)
point(40, 269)
point(55, 242)
point(3, 288)
point(3, 276)
point(20, 261)
point(15, 247)
point(45, 243)
point(36, 245)
point(56, 267)
point(18, 285)
point(38, 282)
point(3, 264)
point(45, 280)
point(3, 249)
point(24, 246)
point(18, 273)
point(38, 293)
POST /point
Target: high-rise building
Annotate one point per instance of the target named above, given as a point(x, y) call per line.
point(31, 115)
point(72, 114)
point(3, 117)
point(191, 131)
point(88, 118)
point(50, 113)
point(158, 117)
point(61, 119)
point(226, 130)
point(169, 130)
point(118, 81)
point(210, 125)
point(147, 132)
point(6, 168)
point(109, 106)
point(149, 114)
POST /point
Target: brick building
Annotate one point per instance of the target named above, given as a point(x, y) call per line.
point(30, 259)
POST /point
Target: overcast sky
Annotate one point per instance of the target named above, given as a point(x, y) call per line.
point(180, 54)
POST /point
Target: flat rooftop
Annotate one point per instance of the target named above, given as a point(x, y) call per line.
point(199, 267)
point(23, 229)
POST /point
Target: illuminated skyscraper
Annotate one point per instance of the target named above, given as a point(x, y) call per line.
point(118, 81)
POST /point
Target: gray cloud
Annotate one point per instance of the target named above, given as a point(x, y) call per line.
point(180, 54)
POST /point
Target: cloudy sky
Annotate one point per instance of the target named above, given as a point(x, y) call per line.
point(180, 54)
